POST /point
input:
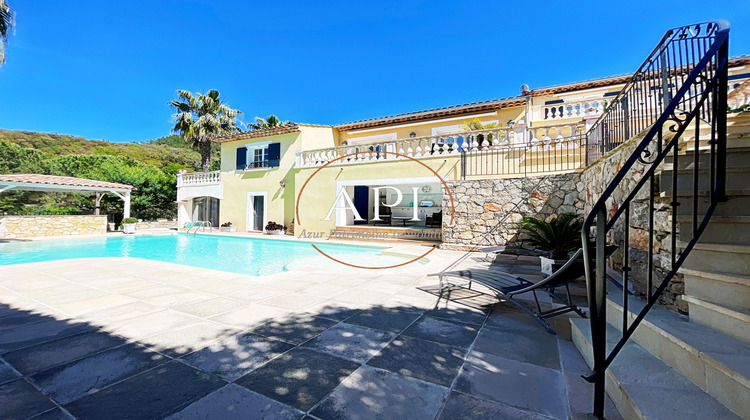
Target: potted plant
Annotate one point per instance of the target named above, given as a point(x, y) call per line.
point(273, 228)
point(227, 227)
point(558, 237)
point(128, 224)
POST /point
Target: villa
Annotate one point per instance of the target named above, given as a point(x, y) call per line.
point(181, 325)
point(263, 172)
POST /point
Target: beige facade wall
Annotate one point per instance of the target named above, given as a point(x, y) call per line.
point(12, 227)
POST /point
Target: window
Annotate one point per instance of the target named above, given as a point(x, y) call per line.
point(258, 155)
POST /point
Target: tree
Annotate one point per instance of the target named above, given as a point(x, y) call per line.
point(270, 121)
point(6, 23)
point(202, 117)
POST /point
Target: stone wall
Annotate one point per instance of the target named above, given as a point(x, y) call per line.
point(481, 205)
point(162, 224)
point(12, 227)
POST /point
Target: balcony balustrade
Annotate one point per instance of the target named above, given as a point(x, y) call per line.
point(198, 178)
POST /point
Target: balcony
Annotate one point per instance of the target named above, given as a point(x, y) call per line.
point(198, 178)
point(199, 184)
point(494, 151)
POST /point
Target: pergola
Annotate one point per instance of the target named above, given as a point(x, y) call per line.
point(52, 183)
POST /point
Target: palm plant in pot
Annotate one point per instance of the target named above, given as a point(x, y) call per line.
point(558, 236)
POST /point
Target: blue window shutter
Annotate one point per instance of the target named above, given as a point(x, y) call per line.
point(241, 158)
point(274, 154)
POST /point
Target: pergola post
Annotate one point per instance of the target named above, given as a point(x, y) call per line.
point(126, 206)
point(98, 202)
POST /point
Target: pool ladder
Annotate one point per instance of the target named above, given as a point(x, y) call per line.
point(201, 225)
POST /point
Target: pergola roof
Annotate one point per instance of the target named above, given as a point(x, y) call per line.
point(52, 183)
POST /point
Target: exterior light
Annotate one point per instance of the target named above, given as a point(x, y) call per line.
point(511, 123)
point(412, 134)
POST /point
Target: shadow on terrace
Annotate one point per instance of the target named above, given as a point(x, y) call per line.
point(223, 358)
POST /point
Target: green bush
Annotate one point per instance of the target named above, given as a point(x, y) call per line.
point(558, 236)
point(129, 220)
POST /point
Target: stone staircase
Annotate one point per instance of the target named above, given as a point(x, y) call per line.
point(694, 366)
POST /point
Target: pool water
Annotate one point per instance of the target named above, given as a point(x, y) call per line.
point(253, 256)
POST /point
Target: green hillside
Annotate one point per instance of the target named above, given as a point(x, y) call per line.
point(151, 167)
point(160, 152)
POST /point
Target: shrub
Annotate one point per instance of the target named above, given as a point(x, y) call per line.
point(559, 236)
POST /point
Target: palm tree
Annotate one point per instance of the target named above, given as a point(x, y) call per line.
point(560, 235)
point(270, 121)
point(202, 117)
point(6, 23)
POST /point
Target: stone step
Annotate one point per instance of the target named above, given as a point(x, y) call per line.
point(644, 387)
point(733, 230)
point(717, 257)
point(729, 289)
point(729, 320)
point(736, 179)
point(736, 205)
point(717, 363)
point(738, 157)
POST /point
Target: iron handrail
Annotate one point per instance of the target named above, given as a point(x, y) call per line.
point(690, 68)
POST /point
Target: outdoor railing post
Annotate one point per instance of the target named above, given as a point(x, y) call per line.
point(463, 164)
point(721, 121)
point(599, 315)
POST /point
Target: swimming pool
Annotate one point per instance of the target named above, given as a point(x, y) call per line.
point(254, 256)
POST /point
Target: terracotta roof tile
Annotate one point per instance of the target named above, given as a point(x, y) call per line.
point(434, 113)
point(62, 180)
point(254, 134)
point(502, 103)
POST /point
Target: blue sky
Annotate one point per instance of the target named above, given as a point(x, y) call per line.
point(104, 71)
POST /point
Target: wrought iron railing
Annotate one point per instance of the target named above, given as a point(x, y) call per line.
point(535, 157)
point(680, 89)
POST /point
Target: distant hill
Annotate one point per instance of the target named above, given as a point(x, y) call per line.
point(170, 151)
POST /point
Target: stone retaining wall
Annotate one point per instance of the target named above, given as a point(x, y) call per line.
point(165, 224)
point(482, 204)
point(12, 227)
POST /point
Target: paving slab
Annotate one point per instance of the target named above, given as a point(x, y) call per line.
point(186, 339)
point(517, 384)
point(421, 359)
point(442, 331)
point(155, 393)
point(7, 373)
point(291, 301)
point(375, 393)
point(120, 313)
point(144, 326)
point(294, 328)
point(236, 356)
point(386, 319)
point(333, 309)
point(73, 380)
point(44, 356)
point(15, 318)
point(42, 332)
point(463, 406)
point(54, 414)
point(535, 346)
point(250, 316)
point(211, 307)
point(19, 400)
point(233, 402)
point(351, 342)
point(299, 377)
point(458, 313)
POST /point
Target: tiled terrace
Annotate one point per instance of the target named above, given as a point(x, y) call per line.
point(127, 338)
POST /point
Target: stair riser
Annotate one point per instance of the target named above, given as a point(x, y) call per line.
point(729, 325)
point(735, 206)
point(622, 401)
point(706, 374)
point(735, 180)
point(725, 292)
point(735, 159)
point(718, 232)
point(727, 262)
